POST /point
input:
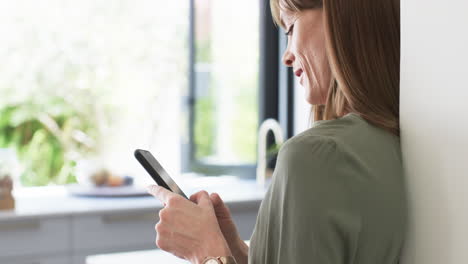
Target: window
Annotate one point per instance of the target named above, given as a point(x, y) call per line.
point(84, 83)
point(225, 68)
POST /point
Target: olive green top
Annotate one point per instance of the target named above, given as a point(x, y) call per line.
point(337, 197)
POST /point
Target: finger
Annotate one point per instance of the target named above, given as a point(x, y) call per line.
point(193, 197)
point(220, 208)
point(196, 196)
point(202, 198)
point(161, 193)
point(216, 200)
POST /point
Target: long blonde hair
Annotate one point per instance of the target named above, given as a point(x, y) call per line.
point(363, 45)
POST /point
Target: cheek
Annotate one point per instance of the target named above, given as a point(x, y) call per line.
point(325, 77)
point(308, 47)
point(317, 84)
point(317, 74)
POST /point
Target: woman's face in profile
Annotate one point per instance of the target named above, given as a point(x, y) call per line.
point(306, 52)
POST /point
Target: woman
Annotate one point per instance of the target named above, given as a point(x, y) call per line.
point(338, 193)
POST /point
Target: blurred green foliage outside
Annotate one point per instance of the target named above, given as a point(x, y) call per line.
point(73, 72)
point(48, 138)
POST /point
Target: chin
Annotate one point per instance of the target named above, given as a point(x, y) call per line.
point(311, 98)
point(312, 95)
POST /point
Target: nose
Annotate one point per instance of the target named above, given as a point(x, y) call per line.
point(288, 57)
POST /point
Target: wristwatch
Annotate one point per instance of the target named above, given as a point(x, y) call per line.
point(220, 260)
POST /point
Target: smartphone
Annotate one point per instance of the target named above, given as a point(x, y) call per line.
point(157, 172)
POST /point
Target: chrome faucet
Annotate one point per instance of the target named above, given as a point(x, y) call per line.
point(270, 124)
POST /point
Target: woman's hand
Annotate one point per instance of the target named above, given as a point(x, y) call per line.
point(188, 229)
point(239, 249)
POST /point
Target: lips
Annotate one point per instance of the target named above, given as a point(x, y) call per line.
point(298, 72)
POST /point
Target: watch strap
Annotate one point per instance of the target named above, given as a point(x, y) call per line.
point(222, 260)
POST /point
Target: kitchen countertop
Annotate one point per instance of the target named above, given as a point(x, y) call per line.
point(37, 202)
point(144, 256)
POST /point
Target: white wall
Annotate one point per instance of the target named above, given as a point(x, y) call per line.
point(434, 125)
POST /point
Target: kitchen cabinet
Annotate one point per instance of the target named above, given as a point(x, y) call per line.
point(59, 228)
point(40, 260)
point(34, 237)
point(114, 230)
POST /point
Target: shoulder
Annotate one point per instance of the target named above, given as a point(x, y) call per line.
point(306, 148)
point(346, 156)
point(312, 176)
point(313, 172)
point(308, 159)
point(320, 142)
point(325, 151)
point(349, 135)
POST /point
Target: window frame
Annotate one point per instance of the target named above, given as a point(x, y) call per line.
point(275, 94)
